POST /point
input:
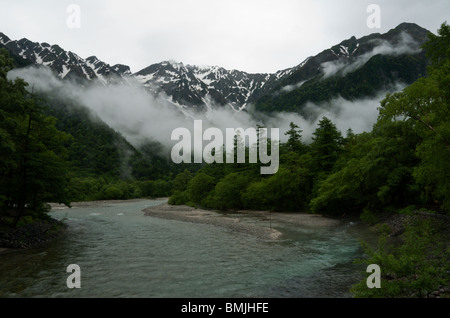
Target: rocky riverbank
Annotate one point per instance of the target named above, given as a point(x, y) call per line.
point(189, 214)
point(31, 234)
point(255, 223)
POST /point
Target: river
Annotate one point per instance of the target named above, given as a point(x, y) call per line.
point(123, 253)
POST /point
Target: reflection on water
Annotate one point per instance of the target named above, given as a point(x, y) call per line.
point(123, 253)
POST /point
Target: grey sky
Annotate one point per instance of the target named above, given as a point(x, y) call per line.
point(250, 35)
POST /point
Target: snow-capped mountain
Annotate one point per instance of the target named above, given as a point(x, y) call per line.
point(200, 87)
point(66, 64)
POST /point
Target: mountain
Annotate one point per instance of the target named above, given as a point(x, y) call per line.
point(353, 69)
point(65, 64)
point(188, 86)
point(199, 86)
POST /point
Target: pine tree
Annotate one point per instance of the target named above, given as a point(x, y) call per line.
point(294, 142)
point(326, 146)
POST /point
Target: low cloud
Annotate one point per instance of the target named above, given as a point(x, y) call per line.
point(139, 116)
point(290, 88)
point(360, 115)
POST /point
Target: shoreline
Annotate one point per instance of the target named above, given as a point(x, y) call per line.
point(31, 235)
point(239, 220)
point(78, 204)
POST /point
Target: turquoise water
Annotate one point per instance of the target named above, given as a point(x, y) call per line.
point(123, 253)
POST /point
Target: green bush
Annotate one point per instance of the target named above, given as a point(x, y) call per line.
point(24, 220)
point(199, 187)
point(417, 266)
point(162, 188)
point(368, 216)
point(227, 193)
point(178, 198)
point(112, 193)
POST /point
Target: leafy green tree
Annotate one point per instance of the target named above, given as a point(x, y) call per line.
point(288, 190)
point(256, 197)
point(199, 187)
point(376, 172)
point(181, 181)
point(426, 104)
point(162, 188)
point(227, 192)
point(112, 192)
point(33, 155)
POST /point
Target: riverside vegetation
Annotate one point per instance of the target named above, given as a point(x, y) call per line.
point(54, 152)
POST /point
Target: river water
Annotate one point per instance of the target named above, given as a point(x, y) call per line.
point(123, 253)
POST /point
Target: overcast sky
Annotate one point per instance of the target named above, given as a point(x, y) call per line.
point(256, 36)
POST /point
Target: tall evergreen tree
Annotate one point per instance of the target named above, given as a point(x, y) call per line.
point(294, 142)
point(326, 146)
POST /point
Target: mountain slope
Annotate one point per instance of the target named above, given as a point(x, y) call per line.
point(355, 68)
point(199, 86)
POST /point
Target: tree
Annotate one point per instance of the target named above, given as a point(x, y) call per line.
point(294, 142)
point(426, 104)
point(287, 190)
point(181, 181)
point(199, 187)
point(326, 145)
point(227, 192)
point(376, 172)
point(33, 152)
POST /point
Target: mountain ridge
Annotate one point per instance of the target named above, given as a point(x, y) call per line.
point(376, 60)
point(201, 87)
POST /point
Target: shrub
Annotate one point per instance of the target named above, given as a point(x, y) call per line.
point(419, 265)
